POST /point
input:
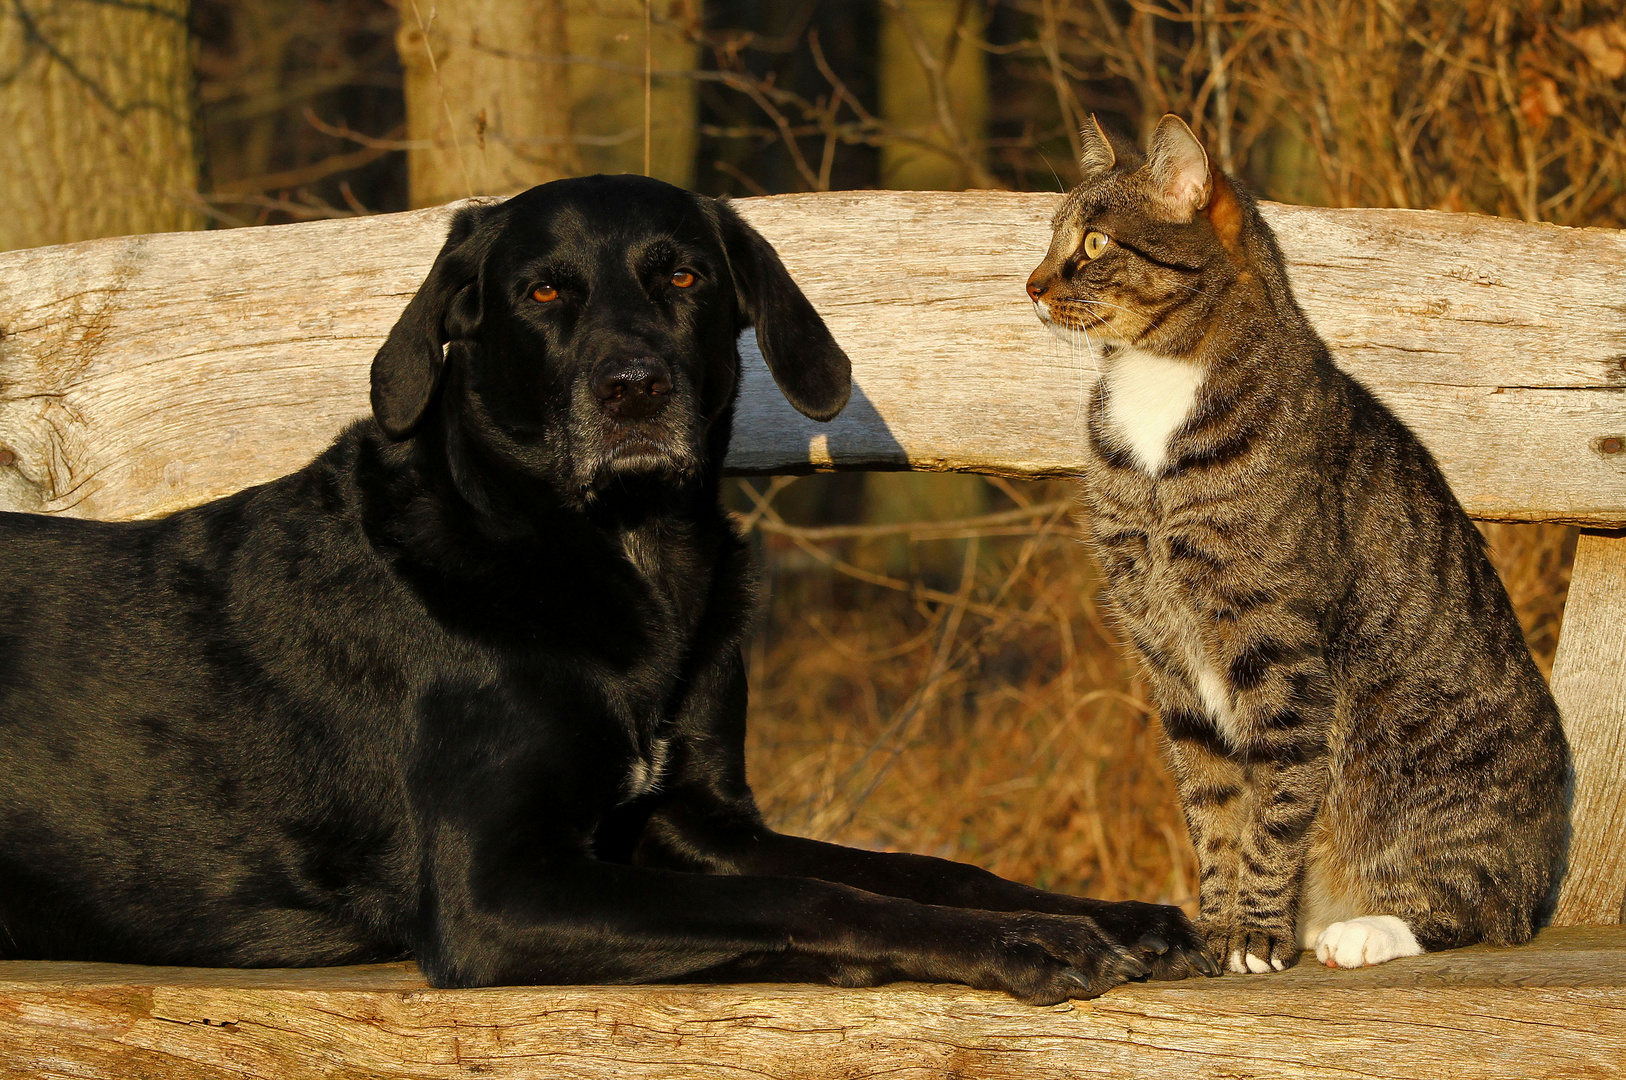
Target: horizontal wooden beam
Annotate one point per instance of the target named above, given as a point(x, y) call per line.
point(142, 374)
point(1556, 1008)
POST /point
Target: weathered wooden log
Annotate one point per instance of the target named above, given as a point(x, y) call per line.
point(1556, 1008)
point(146, 373)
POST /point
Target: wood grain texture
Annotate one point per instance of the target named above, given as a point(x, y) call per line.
point(1556, 1008)
point(143, 374)
point(1589, 683)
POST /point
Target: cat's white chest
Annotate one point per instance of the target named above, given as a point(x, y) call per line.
point(1148, 398)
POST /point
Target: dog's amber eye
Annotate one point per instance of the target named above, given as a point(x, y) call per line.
point(682, 278)
point(544, 293)
point(1095, 244)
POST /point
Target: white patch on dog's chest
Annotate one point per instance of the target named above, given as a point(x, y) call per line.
point(641, 552)
point(1148, 398)
point(646, 772)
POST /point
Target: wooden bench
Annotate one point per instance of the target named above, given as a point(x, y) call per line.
point(143, 374)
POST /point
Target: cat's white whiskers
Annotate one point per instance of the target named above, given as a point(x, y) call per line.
point(1083, 386)
point(1103, 303)
point(1086, 312)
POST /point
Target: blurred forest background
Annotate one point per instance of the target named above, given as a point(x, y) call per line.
point(933, 671)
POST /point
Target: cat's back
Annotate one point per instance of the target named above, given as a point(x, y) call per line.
point(1424, 617)
point(1399, 523)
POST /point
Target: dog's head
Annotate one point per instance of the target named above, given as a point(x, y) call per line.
point(584, 331)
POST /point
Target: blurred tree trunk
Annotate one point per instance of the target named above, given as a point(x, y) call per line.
point(515, 94)
point(607, 86)
point(96, 104)
point(1285, 167)
point(487, 88)
point(934, 83)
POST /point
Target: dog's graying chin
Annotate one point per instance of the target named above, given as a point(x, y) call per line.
point(606, 451)
point(1368, 759)
point(470, 686)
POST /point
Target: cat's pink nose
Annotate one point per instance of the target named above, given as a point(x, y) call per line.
point(1035, 289)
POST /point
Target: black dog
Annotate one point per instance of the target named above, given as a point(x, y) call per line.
point(468, 686)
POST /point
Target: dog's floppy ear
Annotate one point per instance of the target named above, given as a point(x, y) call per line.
point(812, 372)
point(407, 367)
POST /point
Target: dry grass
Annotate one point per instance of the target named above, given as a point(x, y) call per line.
point(1535, 563)
point(999, 724)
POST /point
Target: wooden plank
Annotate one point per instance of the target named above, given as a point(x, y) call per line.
point(142, 374)
point(1556, 1008)
point(1589, 683)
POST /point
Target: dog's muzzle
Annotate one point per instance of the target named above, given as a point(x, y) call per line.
point(637, 421)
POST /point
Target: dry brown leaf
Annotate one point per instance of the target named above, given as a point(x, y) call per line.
point(1540, 102)
point(1604, 45)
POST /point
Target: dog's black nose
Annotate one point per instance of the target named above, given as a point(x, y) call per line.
point(632, 389)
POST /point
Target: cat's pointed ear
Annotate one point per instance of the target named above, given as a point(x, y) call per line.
point(1095, 155)
point(1179, 168)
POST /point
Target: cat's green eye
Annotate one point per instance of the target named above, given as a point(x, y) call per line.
point(1095, 243)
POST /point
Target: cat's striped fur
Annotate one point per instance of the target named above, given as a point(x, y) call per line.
point(1368, 758)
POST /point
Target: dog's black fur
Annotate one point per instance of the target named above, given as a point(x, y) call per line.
point(468, 686)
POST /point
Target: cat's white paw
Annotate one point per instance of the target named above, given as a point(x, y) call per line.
point(1370, 939)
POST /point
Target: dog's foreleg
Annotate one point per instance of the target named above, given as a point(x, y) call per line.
point(738, 843)
point(594, 922)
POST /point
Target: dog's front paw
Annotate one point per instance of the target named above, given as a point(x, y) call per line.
point(1159, 936)
point(1046, 959)
point(1251, 950)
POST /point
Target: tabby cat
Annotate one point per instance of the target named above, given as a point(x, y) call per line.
point(1369, 761)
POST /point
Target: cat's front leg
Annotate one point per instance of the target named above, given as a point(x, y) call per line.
point(1274, 843)
point(1213, 791)
point(1281, 717)
point(1248, 819)
point(1251, 785)
point(1213, 796)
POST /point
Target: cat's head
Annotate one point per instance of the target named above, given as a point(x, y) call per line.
point(1147, 246)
